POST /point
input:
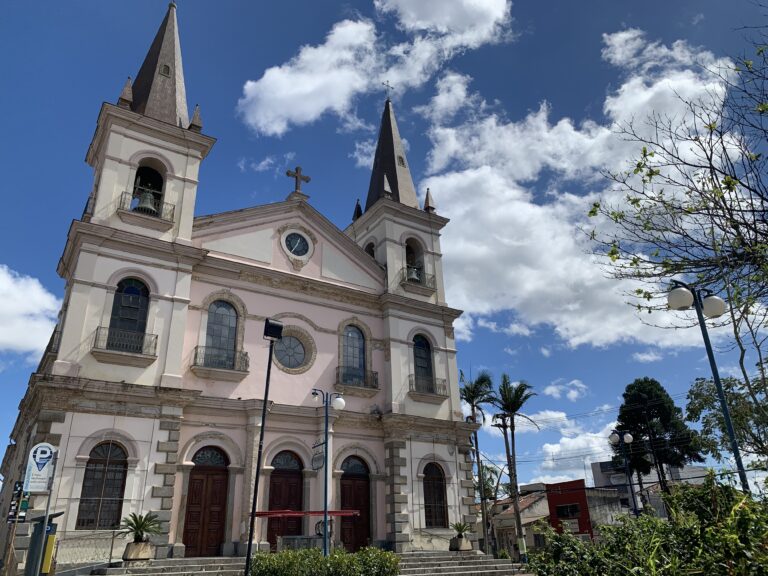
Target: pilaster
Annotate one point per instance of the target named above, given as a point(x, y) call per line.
point(396, 501)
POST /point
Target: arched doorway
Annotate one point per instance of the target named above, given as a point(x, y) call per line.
point(285, 493)
point(206, 514)
point(355, 495)
point(435, 501)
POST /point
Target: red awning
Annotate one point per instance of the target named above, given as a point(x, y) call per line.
point(293, 513)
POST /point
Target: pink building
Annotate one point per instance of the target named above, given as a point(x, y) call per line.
point(151, 388)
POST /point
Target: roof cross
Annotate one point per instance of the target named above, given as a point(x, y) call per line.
point(388, 87)
point(298, 176)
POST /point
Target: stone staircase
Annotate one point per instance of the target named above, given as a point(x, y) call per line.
point(180, 567)
point(456, 564)
point(411, 563)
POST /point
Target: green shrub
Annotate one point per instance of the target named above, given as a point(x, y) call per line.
point(713, 530)
point(310, 562)
point(503, 554)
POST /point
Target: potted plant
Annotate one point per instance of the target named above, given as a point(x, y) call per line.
point(459, 542)
point(139, 527)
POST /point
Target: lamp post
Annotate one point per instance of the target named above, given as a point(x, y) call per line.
point(335, 400)
point(681, 297)
point(273, 331)
point(623, 439)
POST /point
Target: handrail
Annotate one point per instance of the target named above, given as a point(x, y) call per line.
point(221, 358)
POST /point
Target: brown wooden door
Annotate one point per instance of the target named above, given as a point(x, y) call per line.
point(285, 493)
point(355, 495)
point(206, 515)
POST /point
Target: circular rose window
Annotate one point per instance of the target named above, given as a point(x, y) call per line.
point(295, 351)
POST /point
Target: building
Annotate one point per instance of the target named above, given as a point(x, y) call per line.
point(613, 474)
point(569, 506)
point(151, 387)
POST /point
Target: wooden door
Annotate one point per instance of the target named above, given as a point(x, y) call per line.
point(355, 495)
point(285, 493)
point(205, 519)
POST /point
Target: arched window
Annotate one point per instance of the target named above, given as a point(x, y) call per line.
point(101, 498)
point(286, 460)
point(128, 323)
point(435, 501)
point(414, 261)
point(370, 249)
point(354, 356)
point(221, 336)
point(422, 364)
point(210, 457)
point(148, 191)
point(354, 465)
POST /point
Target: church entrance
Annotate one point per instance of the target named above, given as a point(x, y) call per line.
point(355, 495)
point(206, 515)
point(286, 492)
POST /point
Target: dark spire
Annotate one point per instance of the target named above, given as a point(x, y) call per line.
point(358, 211)
point(158, 91)
point(390, 177)
point(429, 204)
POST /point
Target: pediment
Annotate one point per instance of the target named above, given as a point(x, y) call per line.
point(261, 235)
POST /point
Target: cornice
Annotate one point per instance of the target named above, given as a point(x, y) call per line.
point(384, 208)
point(391, 301)
point(104, 236)
point(109, 114)
point(398, 425)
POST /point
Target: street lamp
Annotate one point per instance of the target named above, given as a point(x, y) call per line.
point(334, 400)
point(273, 331)
point(681, 297)
point(623, 439)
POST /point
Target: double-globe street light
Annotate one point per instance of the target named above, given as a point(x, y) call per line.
point(682, 297)
point(624, 439)
point(336, 401)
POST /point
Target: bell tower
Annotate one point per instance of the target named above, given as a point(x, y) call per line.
point(146, 152)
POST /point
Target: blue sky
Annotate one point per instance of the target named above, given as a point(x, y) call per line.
point(507, 110)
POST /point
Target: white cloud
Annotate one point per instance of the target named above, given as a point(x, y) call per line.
point(572, 390)
point(241, 164)
point(697, 19)
point(27, 314)
point(452, 95)
point(263, 165)
point(363, 153)
point(647, 356)
point(546, 352)
point(512, 329)
point(319, 79)
point(354, 59)
point(527, 185)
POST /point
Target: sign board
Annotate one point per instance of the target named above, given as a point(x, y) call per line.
point(39, 468)
point(318, 460)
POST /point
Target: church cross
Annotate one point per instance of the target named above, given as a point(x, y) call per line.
point(388, 87)
point(298, 176)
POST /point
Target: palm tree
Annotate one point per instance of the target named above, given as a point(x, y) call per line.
point(476, 393)
point(509, 401)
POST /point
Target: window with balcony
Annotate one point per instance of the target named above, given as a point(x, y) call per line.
point(145, 205)
point(220, 358)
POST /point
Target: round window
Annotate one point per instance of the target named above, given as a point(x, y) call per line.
point(290, 352)
point(296, 244)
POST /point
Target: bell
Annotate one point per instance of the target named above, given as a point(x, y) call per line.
point(146, 204)
point(413, 274)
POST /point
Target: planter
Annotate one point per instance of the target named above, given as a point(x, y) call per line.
point(459, 544)
point(137, 552)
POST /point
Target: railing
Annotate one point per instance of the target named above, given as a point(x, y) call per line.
point(221, 358)
point(416, 275)
point(125, 341)
point(147, 202)
point(428, 385)
point(350, 376)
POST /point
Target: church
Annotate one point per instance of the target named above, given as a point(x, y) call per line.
point(151, 387)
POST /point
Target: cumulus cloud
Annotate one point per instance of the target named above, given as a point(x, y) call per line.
point(363, 153)
point(27, 314)
point(572, 390)
point(355, 58)
point(647, 356)
point(546, 352)
point(526, 186)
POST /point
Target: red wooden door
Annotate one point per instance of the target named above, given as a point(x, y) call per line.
point(205, 519)
point(355, 495)
point(285, 493)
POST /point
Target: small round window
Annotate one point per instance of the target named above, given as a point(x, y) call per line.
point(290, 352)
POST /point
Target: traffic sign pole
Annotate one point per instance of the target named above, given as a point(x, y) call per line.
point(44, 531)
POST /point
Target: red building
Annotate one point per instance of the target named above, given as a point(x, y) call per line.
point(569, 507)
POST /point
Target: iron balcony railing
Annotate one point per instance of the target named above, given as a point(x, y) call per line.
point(118, 340)
point(416, 275)
point(428, 385)
point(350, 376)
point(147, 202)
point(221, 358)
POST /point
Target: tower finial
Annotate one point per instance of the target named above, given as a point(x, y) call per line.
point(429, 204)
point(388, 87)
point(358, 211)
point(126, 96)
point(196, 124)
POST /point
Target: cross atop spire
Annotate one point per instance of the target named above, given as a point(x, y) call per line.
point(298, 177)
point(158, 91)
point(388, 87)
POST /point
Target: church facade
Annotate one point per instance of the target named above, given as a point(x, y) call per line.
point(151, 387)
